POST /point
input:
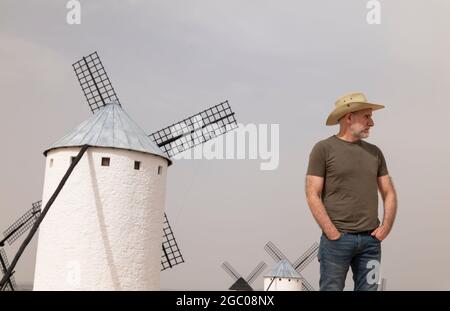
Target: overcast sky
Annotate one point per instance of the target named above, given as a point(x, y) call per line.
point(277, 62)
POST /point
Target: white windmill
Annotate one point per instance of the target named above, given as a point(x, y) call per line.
point(107, 223)
point(282, 277)
point(309, 255)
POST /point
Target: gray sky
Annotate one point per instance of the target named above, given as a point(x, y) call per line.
point(277, 62)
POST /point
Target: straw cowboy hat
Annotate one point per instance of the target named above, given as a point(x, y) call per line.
point(350, 103)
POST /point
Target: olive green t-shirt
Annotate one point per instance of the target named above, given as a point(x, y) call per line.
point(350, 191)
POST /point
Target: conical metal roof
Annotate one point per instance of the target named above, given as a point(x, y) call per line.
point(283, 269)
point(110, 127)
point(241, 284)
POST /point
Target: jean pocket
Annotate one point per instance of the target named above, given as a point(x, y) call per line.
point(375, 239)
point(338, 239)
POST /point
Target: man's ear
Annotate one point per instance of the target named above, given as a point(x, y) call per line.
point(348, 117)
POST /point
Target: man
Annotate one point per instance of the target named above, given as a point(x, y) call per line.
point(343, 176)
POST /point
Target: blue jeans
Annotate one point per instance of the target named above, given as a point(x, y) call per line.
point(360, 251)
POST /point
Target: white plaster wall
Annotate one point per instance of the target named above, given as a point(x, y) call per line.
point(104, 231)
point(283, 284)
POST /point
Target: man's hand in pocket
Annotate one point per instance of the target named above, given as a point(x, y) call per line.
point(380, 233)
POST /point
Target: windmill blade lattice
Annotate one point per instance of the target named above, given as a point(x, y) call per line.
point(171, 255)
point(274, 252)
point(195, 130)
point(256, 272)
point(306, 286)
point(24, 223)
point(4, 265)
point(306, 258)
point(94, 81)
point(230, 270)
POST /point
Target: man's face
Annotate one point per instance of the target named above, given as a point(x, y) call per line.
point(361, 122)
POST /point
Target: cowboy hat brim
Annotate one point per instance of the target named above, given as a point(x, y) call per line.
point(341, 111)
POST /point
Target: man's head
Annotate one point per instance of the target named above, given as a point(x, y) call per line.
point(349, 105)
point(357, 123)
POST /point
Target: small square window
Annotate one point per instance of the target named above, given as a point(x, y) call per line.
point(105, 161)
point(51, 162)
point(137, 165)
point(159, 170)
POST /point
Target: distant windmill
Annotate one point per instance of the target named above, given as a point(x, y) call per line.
point(282, 277)
point(4, 265)
point(19, 227)
point(299, 264)
point(132, 224)
point(241, 283)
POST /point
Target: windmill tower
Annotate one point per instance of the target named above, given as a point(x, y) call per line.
point(282, 277)
point(309, 255)
point(241, 283)
point(107, 222)
point(110, 212)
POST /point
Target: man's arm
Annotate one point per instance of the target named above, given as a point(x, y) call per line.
point(313, 189)
point(386, 187)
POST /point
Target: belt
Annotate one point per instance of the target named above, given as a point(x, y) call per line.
point(369, 232)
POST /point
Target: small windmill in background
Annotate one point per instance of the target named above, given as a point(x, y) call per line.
point(309, 255)
point(165, 143)
point(4, 265)
point(241, 283)
point(14, 232)
point(282, 277)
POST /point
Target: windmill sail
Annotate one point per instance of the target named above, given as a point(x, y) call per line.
point(274, 252)
point(306, 286)
point(94, 81)
point(196, 129)
point(171, 255)
point(307, 257)
point(230, 270)
point(21, 225)
point(256, 272)
point(4, 265)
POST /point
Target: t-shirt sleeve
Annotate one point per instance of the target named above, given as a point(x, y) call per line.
point(382, 167)
point(317, 161)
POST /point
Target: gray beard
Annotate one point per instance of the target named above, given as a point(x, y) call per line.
point(360, 134)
